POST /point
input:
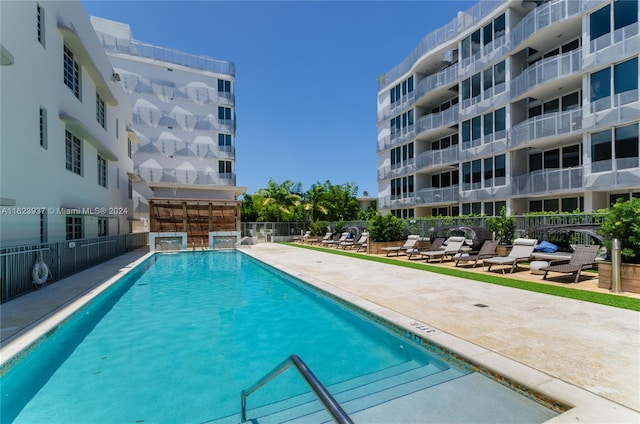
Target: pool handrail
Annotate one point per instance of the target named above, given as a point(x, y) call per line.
point(330, 404)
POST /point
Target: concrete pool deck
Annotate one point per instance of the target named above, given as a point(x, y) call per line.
point(582, 354)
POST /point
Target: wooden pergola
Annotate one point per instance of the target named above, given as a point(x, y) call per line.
point(196, 217)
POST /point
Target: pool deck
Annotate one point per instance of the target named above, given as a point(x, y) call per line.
point(583, 354)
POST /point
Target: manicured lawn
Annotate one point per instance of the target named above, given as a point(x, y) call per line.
point(587, 296)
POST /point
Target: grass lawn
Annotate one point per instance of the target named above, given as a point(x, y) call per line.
point(587, 296)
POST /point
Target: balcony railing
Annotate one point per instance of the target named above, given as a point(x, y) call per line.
point(187, 122)
point(489, 53)
point(437, 157)
point(544, 16)
point(430, 196)
point(176, 147)
point(393, 171)
point(548, 125)
point(548, 181)
point(397, 107)
point(546, 70)
point(443, 78)
point(437, 120)
point(612, 47)
point(137, 48)
point(183, 176)
point(461, 23)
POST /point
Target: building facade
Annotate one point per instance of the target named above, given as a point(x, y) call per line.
point(184, 119)
point(64, 164)
point(528, 105)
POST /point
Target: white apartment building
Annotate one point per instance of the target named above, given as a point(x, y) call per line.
point(531, 105)
point(184, 119)
point(64, 121)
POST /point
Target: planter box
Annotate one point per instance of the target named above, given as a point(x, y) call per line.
point(629, 277)
point(503, 249)
point(375, 247)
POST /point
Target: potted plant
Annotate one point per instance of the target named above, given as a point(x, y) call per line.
point(385, 231)
point(504, 227)
point(622, 223)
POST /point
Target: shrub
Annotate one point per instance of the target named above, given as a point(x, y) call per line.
point(318, 228)
point(504, 226)
point(386, 228)
point(340, 227)
point(623, 222)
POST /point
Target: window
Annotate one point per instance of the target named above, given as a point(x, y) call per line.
point(224, 142)
point(43, 127)
point(117, 128)
point(552, 159)
point(224, 86)
point(599, 22)
point(103, 227)
point(102, 171)
point(224, 168)
point(601, 84)
point(626, 146)
point(625, 13)
point(625, 76)
point(224, 113)
point(601, 151)
point(129, 189)
point(74, 227)
point(73, 150)
point(71, 72)
point(100, 110)
point(129, 148)
point(571, 156)
point(40, 24)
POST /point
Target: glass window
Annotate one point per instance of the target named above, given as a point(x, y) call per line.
point(551, 205)
point(476, 128)
point(476, 208)
point(466, 47)
point(466, 173)
point(488, 172)
point(466, 131)
point(488, 208)
point(601, 148)
point(410, 84)
point(100, 111)
point(435, 181)
point(487, 78)
point(551, 106)
point(103, 227)
point(552, 159)
point(571, 45)
point(475, 42)
point(40, 24)
point(466, 89)
point(445, 179)
point(601, 84)
point(625, 76)
point(466, 208)
point(43, 127)
point(501, 120)
point(475, 85)
point(535, 111)
point(535, 162)
point(487, 34)
point(569, 204)
point(102, 171)
point(74, 227)
point(499, 73)
point(445, 142)
point(476, 171)
point(571, 101)
point(599, 22)
point(625, 12)
point(571, 156)
point(71, 71)
point(500, 167)
point(535, 206)
point(626, 146)
point(73, 153)
point(488, 124)
point(499, 26)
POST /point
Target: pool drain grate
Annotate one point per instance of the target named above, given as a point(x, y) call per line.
point(480, 305)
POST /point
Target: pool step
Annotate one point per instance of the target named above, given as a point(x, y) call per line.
point(357, 394)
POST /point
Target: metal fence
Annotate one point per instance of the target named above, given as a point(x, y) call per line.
point(63, 258)
point(424, 226)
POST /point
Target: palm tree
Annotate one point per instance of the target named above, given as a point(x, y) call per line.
point(316, 202)
point(279, 201)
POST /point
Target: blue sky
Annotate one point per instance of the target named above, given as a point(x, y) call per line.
point(306, 72)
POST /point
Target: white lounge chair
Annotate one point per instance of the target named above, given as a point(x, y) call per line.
point(409, 244)
point(454, 245)
point(521, 252)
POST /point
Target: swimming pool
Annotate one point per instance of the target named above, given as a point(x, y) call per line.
point(180, 337)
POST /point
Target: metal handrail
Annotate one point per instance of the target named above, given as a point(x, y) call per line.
point(330, 404)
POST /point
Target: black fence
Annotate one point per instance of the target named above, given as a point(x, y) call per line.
point(63, 258)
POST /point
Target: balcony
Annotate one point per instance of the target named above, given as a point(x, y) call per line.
point(184, 177)
point(620, 108)
point(490, 53)
point(438, 196)
point(612, 47)
point(489, 144)
point(394, 171)
point(548, 125)
point(186, 121)
point(396, 108)
point(457, 26)
point(547, 181)
point(546, 70)
point(432, 158)
point(493, 189)
point(614, 174)
point(397, 138)
point(443, 79)
point(202, 147)
point(493, 98)
point(434, 121)
point(546, 15)
point(113, 45)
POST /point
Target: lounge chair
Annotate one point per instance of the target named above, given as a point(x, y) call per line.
point(584, 256)
point(352, 244)
point(409, 244)
point(435, 246)
point(454, 245)
point(488, 250)
point(521, 252)
point(317, 240)
point(335, 242)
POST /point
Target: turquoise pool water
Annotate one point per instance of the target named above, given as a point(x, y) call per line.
point(179, 338)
